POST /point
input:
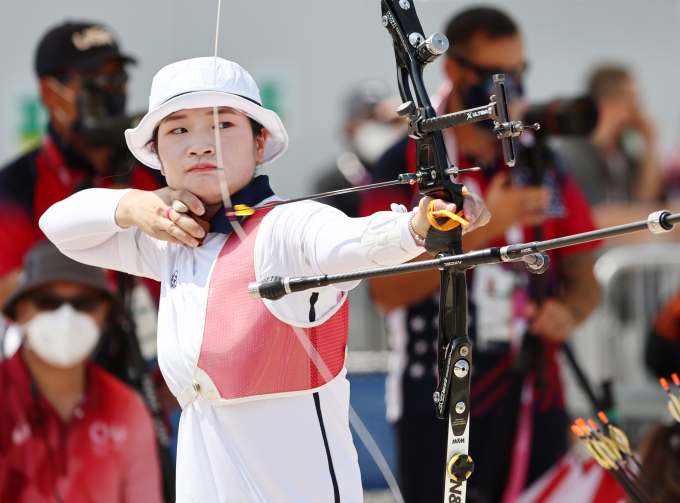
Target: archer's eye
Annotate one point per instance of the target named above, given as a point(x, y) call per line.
point(225, 125)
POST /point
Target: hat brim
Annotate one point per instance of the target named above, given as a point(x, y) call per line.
point(137, 138)
point(83, 280)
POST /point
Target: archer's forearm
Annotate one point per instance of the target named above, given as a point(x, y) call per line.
point(404, 290)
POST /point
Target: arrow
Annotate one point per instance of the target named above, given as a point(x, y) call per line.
point(673, 401)
point(620, 439)
point(607, 459)
point(408, 178)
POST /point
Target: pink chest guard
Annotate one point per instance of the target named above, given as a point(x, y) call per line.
point(248, 353)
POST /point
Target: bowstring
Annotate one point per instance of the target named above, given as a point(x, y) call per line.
point(363, 432)
point(224, 187)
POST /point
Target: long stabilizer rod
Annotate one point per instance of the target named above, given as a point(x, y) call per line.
point(532, 254)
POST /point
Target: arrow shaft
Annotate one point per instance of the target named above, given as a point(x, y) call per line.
point(329, 194)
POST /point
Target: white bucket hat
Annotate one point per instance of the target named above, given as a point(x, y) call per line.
point(191, 84)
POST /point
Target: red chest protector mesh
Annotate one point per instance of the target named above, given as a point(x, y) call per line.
point(248, 353)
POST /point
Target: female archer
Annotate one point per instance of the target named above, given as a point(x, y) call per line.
point(261, 383)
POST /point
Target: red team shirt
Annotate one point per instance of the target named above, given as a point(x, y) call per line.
point(36, 181)
point(106, 453)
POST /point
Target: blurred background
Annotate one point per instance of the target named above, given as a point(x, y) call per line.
point(308, 56)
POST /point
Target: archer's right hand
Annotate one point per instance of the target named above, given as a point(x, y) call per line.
point(149, 212)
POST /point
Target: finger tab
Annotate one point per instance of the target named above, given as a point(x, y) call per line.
point(179, 206)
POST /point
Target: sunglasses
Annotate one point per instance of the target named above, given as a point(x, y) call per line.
point(83, 303)
point(485, 73)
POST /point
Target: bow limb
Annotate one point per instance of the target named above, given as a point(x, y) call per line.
point(224, 187)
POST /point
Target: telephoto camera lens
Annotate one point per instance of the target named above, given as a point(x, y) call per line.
point(564, 116)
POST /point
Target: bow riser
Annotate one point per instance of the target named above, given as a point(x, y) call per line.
point(453, 389)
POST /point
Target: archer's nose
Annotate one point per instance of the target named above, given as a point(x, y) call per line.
point(201, 150)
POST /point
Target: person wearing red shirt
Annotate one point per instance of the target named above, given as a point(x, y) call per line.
point(69, 431)
point(77, 64)
point(483, 42)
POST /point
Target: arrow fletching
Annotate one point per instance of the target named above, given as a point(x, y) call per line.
point(664, 384)
point(241, 210)
point(582, 424)
point(577, 431)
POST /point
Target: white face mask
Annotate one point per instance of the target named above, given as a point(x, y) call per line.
point(373, 138)
point(64, 337)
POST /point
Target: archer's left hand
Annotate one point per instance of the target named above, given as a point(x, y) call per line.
point(474, 212)
point(553, 320)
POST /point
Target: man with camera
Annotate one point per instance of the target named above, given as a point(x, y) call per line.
point(82, 80)
point(69, 431)
point(483, 42)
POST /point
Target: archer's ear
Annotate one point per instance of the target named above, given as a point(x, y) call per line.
point(260, 142)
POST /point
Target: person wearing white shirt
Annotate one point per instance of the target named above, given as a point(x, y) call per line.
point(261, 383)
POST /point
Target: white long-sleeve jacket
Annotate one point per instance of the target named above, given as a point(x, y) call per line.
point(269, 450)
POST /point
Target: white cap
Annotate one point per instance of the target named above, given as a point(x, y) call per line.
point(191, 84)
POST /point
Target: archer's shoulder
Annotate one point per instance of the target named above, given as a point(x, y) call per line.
point(303, 211)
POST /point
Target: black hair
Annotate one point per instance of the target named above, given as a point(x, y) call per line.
point(152, 144)
point(489, 21)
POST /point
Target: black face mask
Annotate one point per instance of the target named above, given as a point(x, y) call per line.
point(101, 110)
point(103, 95)
point(115, 103)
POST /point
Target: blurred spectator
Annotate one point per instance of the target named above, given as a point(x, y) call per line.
point(618, 168)
point(69, 431)
point(483, 42)
point(662, 353)
point(80, 69)
point(371, 126)
point(660, 455)
point(670, 168)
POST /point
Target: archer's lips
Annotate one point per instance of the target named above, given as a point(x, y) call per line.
point(203, 167)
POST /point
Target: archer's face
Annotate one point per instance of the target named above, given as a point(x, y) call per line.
point(188, 156)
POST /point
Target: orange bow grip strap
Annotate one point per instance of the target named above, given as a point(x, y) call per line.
point(454, 219)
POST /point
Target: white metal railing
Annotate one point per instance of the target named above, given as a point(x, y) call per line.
point(636, 280)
